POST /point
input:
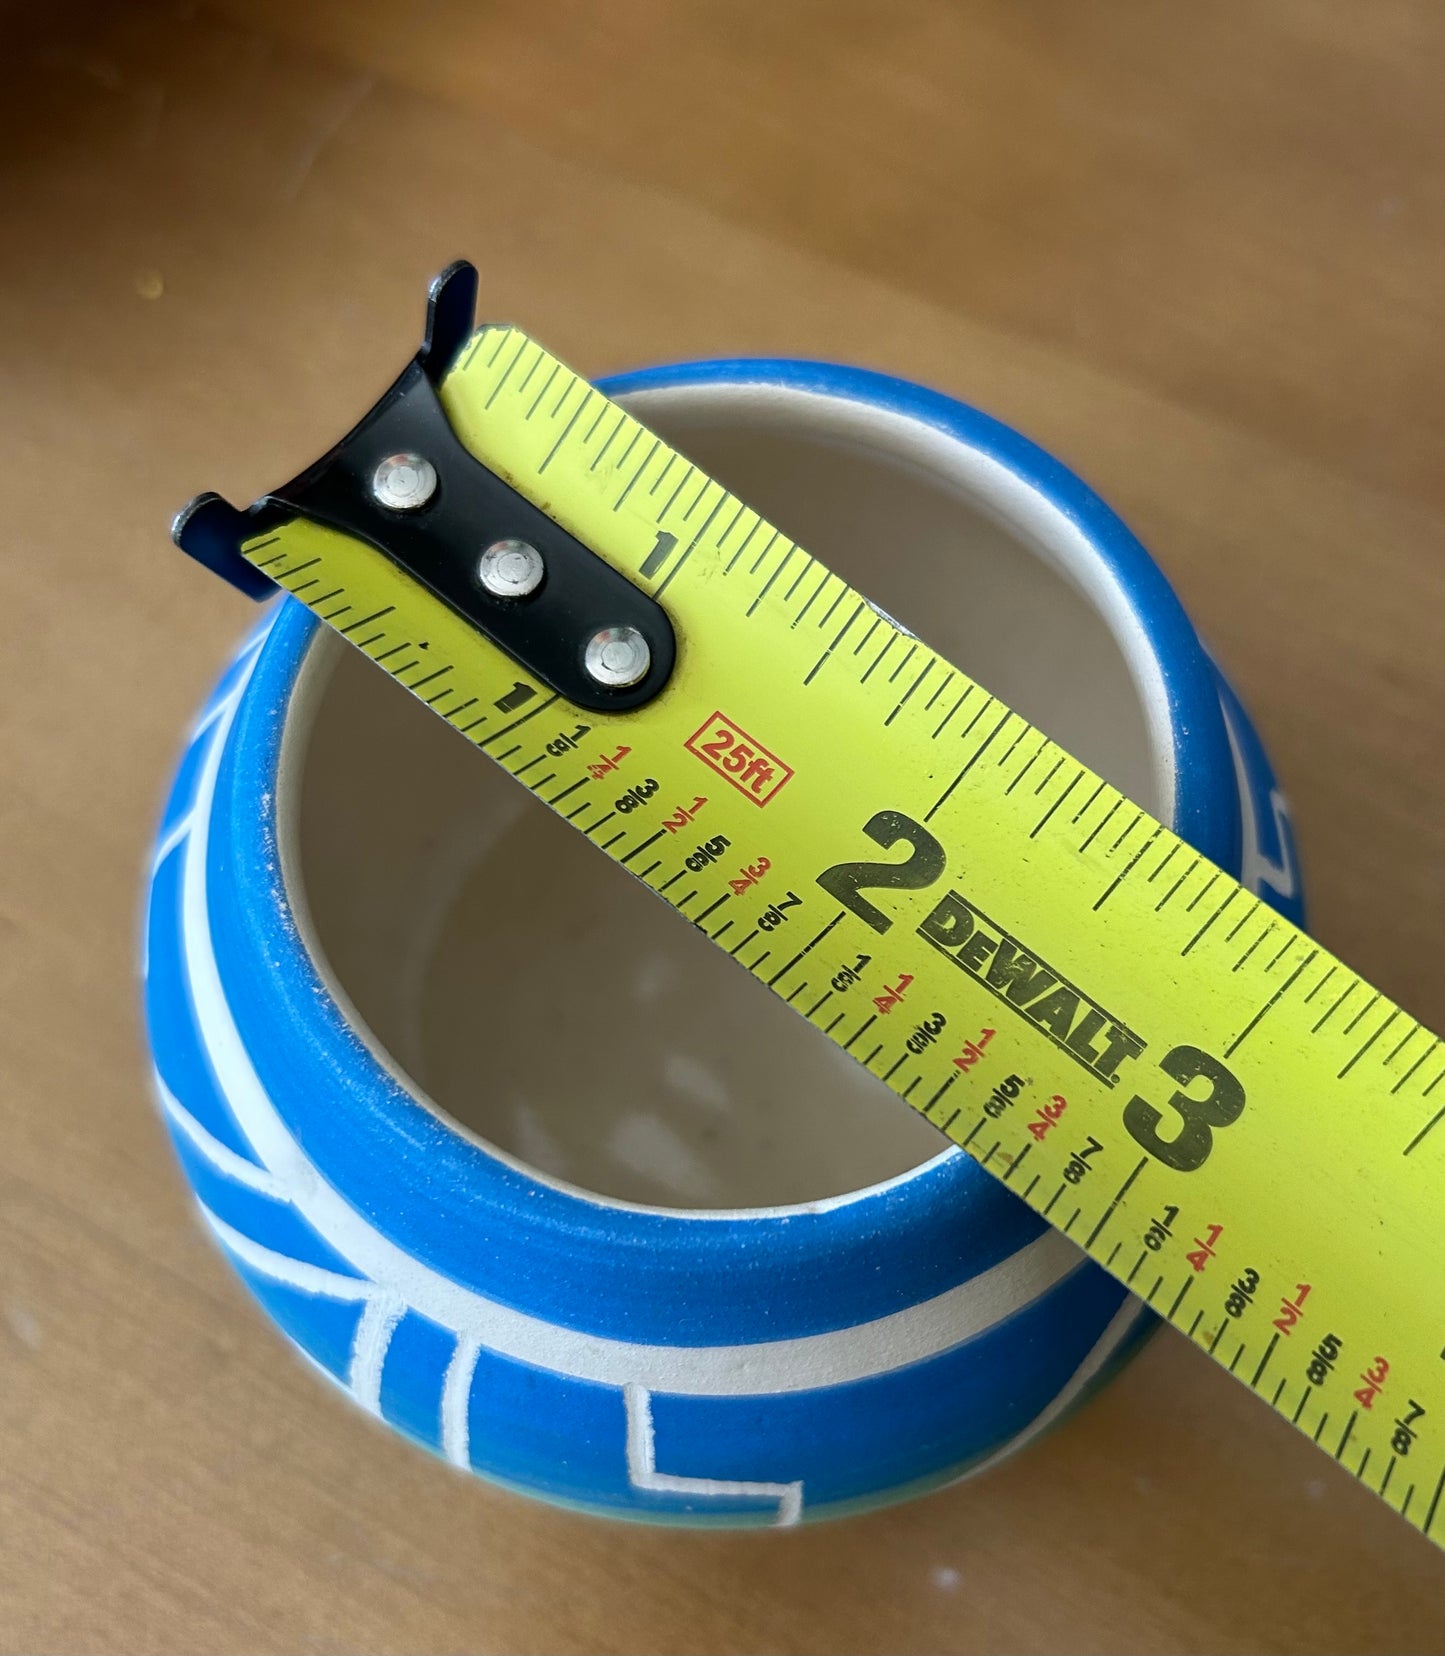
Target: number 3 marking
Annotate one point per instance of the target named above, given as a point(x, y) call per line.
point(1189, 1149)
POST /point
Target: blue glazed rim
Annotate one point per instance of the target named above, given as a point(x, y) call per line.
point(491, 1224)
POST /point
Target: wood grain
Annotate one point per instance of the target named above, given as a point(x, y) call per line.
point(1195, 251)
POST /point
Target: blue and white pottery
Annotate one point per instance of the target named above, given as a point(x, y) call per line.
point(763, 1344)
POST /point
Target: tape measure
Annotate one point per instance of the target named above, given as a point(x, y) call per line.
point(1212, 1106)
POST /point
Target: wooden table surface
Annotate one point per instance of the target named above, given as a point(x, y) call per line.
point(1199, 251)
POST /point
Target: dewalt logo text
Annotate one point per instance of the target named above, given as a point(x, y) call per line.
point(1075, 1022)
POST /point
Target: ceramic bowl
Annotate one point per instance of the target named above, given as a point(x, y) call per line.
point(522, 1163)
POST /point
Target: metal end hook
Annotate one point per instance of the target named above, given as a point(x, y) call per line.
point(451, 312)
point(211, 530)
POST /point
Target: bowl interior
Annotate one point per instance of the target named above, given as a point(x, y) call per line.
point(527, 986)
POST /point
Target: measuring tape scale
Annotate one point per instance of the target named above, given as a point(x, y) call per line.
point(1210, 1104)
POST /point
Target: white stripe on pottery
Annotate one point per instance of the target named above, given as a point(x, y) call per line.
point(221, 1156)
point(642, 1468)
point(1256, 869)
point(456, 1400)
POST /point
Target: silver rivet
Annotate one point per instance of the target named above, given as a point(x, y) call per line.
point(402, 482)
point(511, 569)
point(617, 656)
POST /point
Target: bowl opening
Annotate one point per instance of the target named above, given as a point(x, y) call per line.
point(474, 937)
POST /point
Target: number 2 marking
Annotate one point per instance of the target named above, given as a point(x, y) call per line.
point(924, 864)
